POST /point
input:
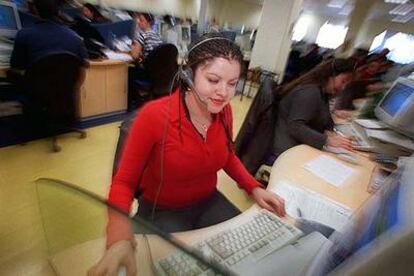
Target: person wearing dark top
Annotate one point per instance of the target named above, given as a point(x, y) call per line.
point(304, 116)
point(45, 37)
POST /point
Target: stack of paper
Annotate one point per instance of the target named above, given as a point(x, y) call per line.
point(302, 203)
point(330, 170)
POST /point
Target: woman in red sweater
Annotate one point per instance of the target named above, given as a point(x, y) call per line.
point(177, 144)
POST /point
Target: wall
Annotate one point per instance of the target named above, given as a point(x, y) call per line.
point(181, 8)
point(234, 13)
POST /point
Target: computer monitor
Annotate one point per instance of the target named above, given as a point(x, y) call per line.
point(21, 4)
point(396, 108)
point(380, 237)
point(9, 19)
point(186, 33)
point(231, 35)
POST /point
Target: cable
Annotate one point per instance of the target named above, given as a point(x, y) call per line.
point(163, 140)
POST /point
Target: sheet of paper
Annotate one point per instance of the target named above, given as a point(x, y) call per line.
point(371, 124)
point(330, 170)
point(118, 56)
point(306, 204)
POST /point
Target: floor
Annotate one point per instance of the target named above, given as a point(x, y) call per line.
point(85, 163)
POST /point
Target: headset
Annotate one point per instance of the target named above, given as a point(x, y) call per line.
point(186, 75)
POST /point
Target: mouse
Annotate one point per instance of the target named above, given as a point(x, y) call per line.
point(348, 157)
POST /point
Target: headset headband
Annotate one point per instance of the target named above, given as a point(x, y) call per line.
point(206, 40)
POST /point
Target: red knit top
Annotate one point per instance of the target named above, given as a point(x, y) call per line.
point(190, 162)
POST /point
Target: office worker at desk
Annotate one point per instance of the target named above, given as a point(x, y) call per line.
point(304, 116)
point(146, 40)
point(47, 36)
point(175, 148)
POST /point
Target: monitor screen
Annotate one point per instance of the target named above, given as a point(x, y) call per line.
point(396, 98)
point(21, 4)
point(7, 18)
point(185, 33)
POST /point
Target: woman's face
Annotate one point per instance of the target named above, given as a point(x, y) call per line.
point(337, 84)
point(87, 12)
point(216, 82)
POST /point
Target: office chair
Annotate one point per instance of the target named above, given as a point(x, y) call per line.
point(52, 84)
point(161, 66)
point(254, 142)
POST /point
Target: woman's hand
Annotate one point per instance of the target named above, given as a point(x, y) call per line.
point(344, 114)
point(119, 254)
point(338, 141)
point(269, 201)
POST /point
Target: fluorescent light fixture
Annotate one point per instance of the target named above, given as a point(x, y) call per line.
point(396, 1)
point(337, 4)
point(402, 9)
point(403, 18)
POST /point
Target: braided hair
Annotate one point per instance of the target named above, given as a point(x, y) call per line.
point(203, 52)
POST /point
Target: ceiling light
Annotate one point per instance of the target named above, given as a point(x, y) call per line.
point(402, 9)
point(396, 1)
point(403, 18)
point(337, 4)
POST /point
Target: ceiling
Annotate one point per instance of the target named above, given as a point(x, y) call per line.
point(379, 10)
point(258, 2)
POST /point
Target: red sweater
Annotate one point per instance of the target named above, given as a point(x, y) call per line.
point(190, 163)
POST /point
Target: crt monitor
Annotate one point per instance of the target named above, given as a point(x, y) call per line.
point(379, 240)
point(9, 19)
point(396, 108)
point(186, 33)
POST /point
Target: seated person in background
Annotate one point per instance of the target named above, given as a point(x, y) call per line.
point(146, 39)
point(47, 36)
point(304, 116)
point(92, 14)
point(197, 144)
point(366, 81)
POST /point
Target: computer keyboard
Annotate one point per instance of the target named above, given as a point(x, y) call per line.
point(362, 141)
point(254, 239)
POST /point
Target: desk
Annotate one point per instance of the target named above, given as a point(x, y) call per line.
point(78, 259)
point(3, 70)
point(105, 89)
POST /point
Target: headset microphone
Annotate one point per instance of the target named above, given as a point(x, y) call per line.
point(187, 76)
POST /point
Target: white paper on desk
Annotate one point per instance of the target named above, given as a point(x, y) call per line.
point(371, 124)
point(310, 205)
point(392, 137)
point(117, 56)
point(330, 170)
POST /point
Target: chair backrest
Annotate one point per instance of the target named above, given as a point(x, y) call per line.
point(162, 66)
point(53, 83)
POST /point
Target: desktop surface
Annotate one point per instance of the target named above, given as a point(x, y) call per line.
point(74, 229)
